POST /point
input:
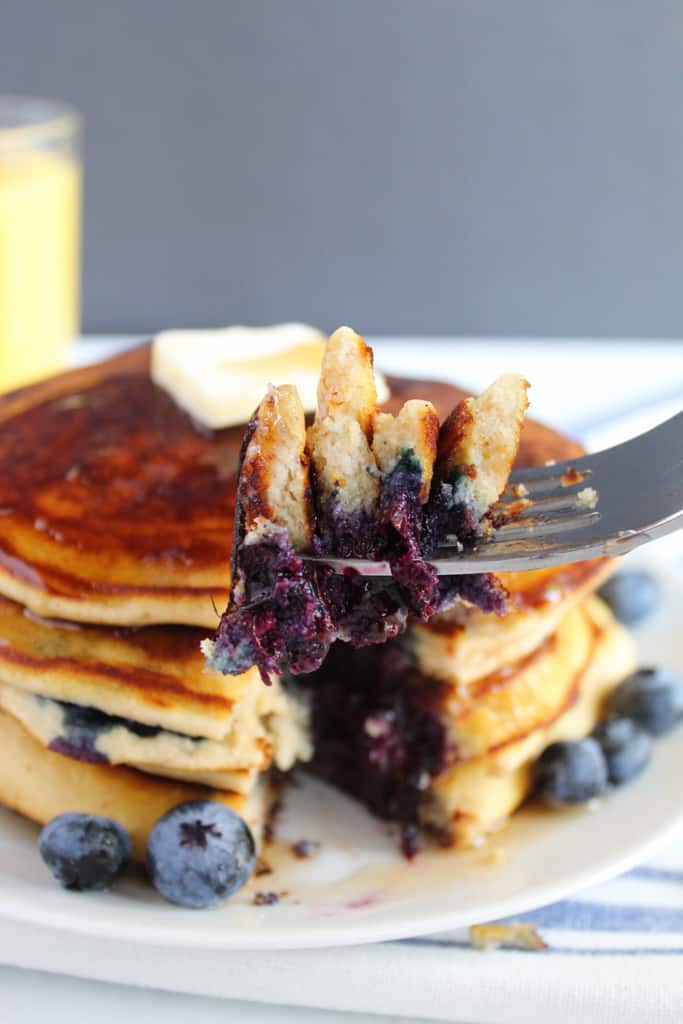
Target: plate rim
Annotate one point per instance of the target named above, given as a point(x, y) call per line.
point(347, 932)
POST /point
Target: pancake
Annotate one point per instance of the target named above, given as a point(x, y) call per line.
point(417, 748)
point(116, 512)
point(40, 785)
point(461, 647)
point(143, 697)
point(521, 697)
point(90, 735)
point(477, 796)
point(115, 508)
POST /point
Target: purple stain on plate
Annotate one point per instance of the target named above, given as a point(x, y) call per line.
point(328, 910)
point(362, 901)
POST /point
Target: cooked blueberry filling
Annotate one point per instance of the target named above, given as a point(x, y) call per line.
point(377, 731)
point(280, 619)
point(414, 532)
point(447, 514)
point(401, 516)
point(481, 589)
point(285, 612)
point(80, 748)
point(77, 718)
point(81, 726)
point(292, 612)
point(364, 611)
point(346, 534)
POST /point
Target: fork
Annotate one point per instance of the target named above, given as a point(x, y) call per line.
point(607, 503)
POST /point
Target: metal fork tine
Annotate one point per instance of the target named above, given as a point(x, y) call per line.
point(525, 528)
point(557, 483)
point(538, 490)
point(544, 527)
point(556, 502)
point(640, 492)
point(533, 475)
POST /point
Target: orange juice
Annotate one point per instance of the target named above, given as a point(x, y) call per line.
point(40, 200)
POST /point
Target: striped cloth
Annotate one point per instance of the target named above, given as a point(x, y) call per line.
point(639, 913)
point(614, 956)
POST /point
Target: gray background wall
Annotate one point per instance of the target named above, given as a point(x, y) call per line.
point(470, 166)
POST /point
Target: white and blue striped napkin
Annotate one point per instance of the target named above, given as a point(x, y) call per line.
point(614, 956)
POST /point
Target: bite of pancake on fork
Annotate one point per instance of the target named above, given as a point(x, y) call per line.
point(359, 483)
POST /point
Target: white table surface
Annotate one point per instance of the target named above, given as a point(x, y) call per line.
point(33, 996)
point(581, 386)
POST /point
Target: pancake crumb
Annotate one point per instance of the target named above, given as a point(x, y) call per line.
point(519, 935)
point(305, 848)
point(587, 498)
point(572, 476)
point(519, 491)
point(265, 899)
point(495, 856)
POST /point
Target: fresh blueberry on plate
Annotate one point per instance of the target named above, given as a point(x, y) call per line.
point(84, 851)
point(652, 697)
point(570, 772)
point(626, 745)
point(200, 852)
point(631, 594)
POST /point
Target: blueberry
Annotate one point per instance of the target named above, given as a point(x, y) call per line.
point(652, 697)
point(570, 772)
point(626, 746)
point(84, 851)
point(200, 852)
point(631, 595)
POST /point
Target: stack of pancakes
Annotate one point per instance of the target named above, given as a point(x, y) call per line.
point(440, 729)
point(115, 533)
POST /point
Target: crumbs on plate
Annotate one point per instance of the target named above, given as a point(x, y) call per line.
point(305, 848)
point(494, 856)
point(518, 935)
point(266, 899)
point(262, 867)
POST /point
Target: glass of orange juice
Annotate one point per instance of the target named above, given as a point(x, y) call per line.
point(40, 229)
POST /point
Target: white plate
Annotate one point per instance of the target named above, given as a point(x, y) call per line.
point(357, 888)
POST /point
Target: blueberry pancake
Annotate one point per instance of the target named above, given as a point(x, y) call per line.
point(117, 511)
point(421, 750)
point(41, 784)
point(384, 487)
point(389, 486)
point(283, 611)
point(404, 447)
point(143, 698)
point(347, 481)
point(477, 447)
point(347, 488)
point(475, 796)
point(275, 616)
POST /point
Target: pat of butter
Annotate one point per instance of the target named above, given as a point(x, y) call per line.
point(220, 376)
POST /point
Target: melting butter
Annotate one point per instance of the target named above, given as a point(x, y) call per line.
point(219, 376)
